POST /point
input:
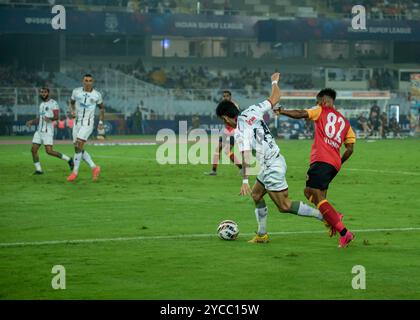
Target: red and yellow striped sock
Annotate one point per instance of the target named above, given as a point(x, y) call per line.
point(330, 215)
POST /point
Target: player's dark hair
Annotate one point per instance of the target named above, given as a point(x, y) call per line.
point(227, 108)
point(88, 75)
point(228, 92)
point(327, 92)
point(45, 88)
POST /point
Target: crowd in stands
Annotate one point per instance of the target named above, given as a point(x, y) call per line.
point(377, 124)
point(380, 9)
point(13, 77)
point(376, 9)
point(181, 77)
point(6, 121)
point(382, 79)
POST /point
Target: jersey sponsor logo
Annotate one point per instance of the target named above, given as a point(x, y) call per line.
point(251, 121)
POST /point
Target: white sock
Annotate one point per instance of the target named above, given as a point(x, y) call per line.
point(38, 166)
point(261, 215)
point(308, 211)
point(88, 159)
point(77, 159)
point(64, 157)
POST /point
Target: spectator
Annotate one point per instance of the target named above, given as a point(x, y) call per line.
point(394, 127)
point(375, 121)
point(413, 123)
point(384, 125)
point(362, 121)
point(62, 132)
point(138, 120)
point(69, 125)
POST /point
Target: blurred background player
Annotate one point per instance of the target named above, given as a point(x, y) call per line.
point(332, 129)
point(48, 113)
point(252, 133)
point(227, 141)
point(83, 104)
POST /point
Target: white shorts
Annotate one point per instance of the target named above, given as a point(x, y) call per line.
point(44, 138)
point(82, 132)
point(273, 174)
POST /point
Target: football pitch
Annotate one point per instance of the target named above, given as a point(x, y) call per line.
point(148, 231)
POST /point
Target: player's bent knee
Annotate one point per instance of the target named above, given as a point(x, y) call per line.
point(256, 196)
point(308, 194)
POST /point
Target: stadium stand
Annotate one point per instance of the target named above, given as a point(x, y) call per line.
point(400, 10)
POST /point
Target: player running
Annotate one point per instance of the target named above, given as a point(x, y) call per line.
point(252, 133)
point(83, 104)
point(227, 140)
point(48, 113)
point(332, 129)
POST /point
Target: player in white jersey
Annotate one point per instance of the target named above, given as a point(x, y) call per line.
point(252, 133)
point(48, 112)
point(83, 105)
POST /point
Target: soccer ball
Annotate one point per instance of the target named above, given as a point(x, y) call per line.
point(228, 230)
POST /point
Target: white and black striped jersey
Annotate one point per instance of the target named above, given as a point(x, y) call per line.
point(252, 133)
point(46, 110)
point(86, 103)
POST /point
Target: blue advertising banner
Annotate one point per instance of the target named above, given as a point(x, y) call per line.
point(329, 29)
point(85, 22)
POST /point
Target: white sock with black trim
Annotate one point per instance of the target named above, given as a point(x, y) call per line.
point(77, 159)
point(261, 215)
point(88, 159)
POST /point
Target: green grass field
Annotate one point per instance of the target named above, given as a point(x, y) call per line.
point(379, 188)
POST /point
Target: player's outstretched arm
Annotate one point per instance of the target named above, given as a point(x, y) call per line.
point(275, 89)
point(295, 114)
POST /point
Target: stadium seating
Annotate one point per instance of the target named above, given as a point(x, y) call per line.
point(402, 10)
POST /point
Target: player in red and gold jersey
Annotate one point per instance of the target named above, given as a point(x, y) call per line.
point(332, 130)
point(227, 140)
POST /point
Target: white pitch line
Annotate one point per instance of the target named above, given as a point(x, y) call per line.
point(180, 236)
point(412, 173)
point(384, 171)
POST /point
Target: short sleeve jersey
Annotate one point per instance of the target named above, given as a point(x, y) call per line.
point(86, 103)
point(252, 133)
point(46, 109)
point(332, 129)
